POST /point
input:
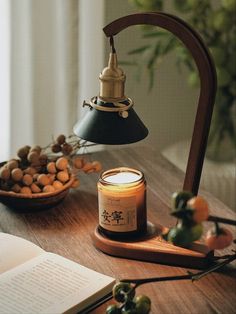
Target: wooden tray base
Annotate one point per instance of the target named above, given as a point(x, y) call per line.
point(151, 247)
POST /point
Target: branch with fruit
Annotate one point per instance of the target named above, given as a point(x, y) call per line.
point(45, 170)
point(191, 212)
point(124, 291)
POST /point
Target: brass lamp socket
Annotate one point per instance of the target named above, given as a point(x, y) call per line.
point(112, 81)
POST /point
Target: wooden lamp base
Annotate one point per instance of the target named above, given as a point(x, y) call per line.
point(151, 247)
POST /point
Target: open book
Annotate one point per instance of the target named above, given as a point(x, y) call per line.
point(35, 281)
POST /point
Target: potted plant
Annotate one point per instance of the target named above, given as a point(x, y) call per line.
point(216, 22)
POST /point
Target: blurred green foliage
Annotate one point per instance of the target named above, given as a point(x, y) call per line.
point(216, 23)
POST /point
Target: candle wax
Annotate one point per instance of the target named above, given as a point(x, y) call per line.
point(122, 178)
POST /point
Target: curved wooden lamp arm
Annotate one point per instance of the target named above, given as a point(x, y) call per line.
point(206, 68)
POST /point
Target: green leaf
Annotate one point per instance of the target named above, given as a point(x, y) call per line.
point(168, 46)
point(154, 55)
point(138, 72)
point(138, 50)
point(151, 78)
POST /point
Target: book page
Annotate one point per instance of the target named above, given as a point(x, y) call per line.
point(50, 284)
point(15, 251)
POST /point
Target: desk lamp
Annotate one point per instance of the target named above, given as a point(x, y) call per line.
point(111, 119)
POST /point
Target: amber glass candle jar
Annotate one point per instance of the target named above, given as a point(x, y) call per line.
point(122, 202)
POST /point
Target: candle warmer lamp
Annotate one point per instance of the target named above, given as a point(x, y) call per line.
point(111, 119)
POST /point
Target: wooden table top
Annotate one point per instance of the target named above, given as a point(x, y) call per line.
point(67, 229)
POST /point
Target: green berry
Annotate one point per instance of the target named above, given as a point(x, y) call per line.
point(122, 291)
point(129, 308)
point(196, 232)
point(143, 304)
point(185, 233)
point(113, 309)
point(179, 199)
point(130, 311)
point(180, 236)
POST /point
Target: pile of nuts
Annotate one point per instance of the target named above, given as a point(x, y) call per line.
point(43, 170)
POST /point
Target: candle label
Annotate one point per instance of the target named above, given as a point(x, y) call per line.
point(117, 214)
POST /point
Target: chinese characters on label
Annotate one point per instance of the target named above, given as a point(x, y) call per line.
point(114, 216)
point(118, 214)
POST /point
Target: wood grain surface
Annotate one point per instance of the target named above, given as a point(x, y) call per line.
point(67, 229)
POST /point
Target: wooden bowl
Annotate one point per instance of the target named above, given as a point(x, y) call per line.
point(34, 201)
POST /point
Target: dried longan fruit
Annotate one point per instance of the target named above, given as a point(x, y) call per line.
point(75, 183)
point(23, 152)
point(78, 162)
point(37, 166)
point(62, 163)
point(43, 159)
point(5, 173)
point(61, 139)
point(35, 176)
point(87, 167)
point(57, 185)
point(48, 188)
point(33, 157)
point(36, 148)
point(43, 179)
point(25, 190)
point(35, 188)
point(97, 166)
point(16, 174)
point(12, 164)
point(63, 176)
point(16, 188)
point(66, 149)
point(30, 170)
point(56, 148)
point(51, 177)
point(51, 167)
point(27, 179)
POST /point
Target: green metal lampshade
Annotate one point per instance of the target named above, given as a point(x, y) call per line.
point(104, 127)
point(111, 118)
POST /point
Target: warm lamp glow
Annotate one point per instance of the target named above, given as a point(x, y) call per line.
point(122, 202)
point(111, 119)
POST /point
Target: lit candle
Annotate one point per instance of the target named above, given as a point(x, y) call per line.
point(122, 202)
